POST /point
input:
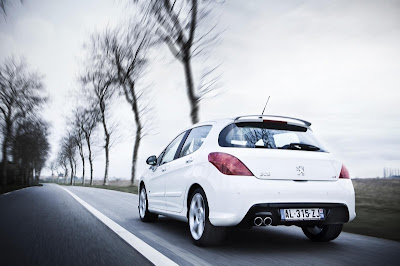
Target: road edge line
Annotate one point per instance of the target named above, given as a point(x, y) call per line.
point(150, 253)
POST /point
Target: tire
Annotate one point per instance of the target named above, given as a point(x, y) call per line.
point(144, 213)
point(323, 233)
point(203, 233)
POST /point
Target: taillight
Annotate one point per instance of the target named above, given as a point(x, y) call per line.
point(228, 164)
point(344, 173)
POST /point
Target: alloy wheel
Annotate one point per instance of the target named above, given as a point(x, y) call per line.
point(142, 203)
point(197, 216)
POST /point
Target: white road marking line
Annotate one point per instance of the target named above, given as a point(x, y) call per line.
point(146, 250)
point(177, 250)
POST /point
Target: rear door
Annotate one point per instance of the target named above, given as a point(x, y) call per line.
point(180, 170)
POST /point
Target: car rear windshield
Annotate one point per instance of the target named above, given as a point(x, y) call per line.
point(269, 135)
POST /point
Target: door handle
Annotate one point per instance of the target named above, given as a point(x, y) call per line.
point(165, 168)
point(189, 160)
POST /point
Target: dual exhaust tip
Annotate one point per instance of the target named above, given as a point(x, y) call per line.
point(259, 221)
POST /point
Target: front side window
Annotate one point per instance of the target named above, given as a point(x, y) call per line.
point(170, 151)
point(194, 140)
point(159, 158)
point(269, 135)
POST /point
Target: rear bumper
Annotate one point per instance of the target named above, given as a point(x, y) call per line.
point(334, 213)
point(232, 199)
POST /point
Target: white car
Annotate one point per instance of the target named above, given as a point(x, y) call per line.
point(248, 171)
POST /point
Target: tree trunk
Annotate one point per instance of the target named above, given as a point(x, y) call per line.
point(91, 165)
point(136, 147)
point(83, 163)
point(74, 161)
point(193, 100)
point(37, 176)
point(134, 157)
point(7, 137)
point(34, 174)
point(5, 155)
point(72, 170)
point(26, 176)
point(30, 178)
point(91, 171)
point(83, 170)
point(87, 137)
point(139, 128)
point(105, 181)
point(66, 174)
point(106, 147)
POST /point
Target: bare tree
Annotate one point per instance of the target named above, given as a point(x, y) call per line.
point(99, 84)
point(74, 166)
point(79, 141)
point(124, 54)
point(88, 119)
point(22, 93)
point(79, 137)
point(62, 160)
point(53, 167)
point(178, 27)
point(68, 154)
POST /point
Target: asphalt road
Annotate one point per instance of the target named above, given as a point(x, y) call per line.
point(45, 225)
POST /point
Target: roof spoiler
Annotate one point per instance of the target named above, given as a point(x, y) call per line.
point(257, 117)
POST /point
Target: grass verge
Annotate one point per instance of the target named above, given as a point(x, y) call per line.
point(377, 208)
point(128, 189)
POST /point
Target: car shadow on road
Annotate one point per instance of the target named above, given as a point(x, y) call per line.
point(277, 239)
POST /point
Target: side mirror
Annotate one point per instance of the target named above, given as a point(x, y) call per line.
point(152, 160)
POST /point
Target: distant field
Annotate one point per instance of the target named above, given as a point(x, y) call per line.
point(377, 208)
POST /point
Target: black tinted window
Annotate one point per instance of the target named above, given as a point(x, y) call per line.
point(270, 136)
point(194, 140)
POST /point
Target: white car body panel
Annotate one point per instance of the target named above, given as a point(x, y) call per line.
point(275, 180)
point(282, 164)
point(177, 178)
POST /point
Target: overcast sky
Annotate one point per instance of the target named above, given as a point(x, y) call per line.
point(333, 63)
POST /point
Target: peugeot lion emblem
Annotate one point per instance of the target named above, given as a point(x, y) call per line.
point(300, 170)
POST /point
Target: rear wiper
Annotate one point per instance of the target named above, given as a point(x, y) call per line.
point(300, 146)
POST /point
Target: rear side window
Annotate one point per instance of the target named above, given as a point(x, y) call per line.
point(269, 135)
point(194, 140)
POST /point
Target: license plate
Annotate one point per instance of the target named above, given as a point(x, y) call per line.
point(302, 214)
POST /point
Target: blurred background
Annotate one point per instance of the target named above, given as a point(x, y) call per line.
point(335, 64)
